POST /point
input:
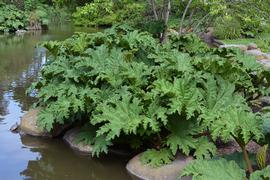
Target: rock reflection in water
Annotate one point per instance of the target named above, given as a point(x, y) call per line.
point(56, 161)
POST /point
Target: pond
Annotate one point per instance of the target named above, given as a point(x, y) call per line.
point(25, 157)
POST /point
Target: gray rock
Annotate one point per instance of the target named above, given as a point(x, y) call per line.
point(264, 62)
point(70, 139)
point(172, 171)
point(252, 46)
point(257, 53)
point(240, 46)
point(265, 100)
point(29, 125)
point(232, 147)
point(14, 128)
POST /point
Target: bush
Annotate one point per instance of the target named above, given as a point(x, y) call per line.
point(168, 97)
point(227, 27)
point(108, 13)
point(11, 18)
point(97, 13)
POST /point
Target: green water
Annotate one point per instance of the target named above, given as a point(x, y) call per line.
point(25, 157)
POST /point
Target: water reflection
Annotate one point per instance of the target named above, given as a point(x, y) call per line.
point(24, 157)
point(55, 161)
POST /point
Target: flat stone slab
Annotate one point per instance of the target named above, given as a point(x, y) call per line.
point(70, 138)
point(240, 46)
point(257, 53)
point(264, 62)
point(172, 171)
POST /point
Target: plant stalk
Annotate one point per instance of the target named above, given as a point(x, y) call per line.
point(247, 160)
point(245, 153)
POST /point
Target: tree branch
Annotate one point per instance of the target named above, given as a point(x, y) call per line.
point(183, 17)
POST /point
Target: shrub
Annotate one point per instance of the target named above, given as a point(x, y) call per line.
point(97, 13)
point(227, 27)
point(11, 18)
point(124, 85)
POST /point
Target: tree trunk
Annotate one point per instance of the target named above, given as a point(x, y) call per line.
point(166, 15)
point(183, 17)
point(153, 6)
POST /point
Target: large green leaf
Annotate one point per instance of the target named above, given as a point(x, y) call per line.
point(213, 170)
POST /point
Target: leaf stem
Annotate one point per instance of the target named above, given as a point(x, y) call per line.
point(245, 154)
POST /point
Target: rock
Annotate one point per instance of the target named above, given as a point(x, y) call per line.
point(252, 46)
point(137, 170)
point(257, 53)
point(14, 128)
point(240, 46)
point(70, 139)
point(29, 126)
point(232, 147)
point(20, 32)
point(264, 62)
point(265, 100)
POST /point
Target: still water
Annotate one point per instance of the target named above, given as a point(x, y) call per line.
point(25, 157)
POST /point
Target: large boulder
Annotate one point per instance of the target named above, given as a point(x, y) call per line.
point(29, 125)
point(172, 171)
point(70, 138)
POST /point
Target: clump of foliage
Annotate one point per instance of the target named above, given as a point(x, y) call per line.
point(32, 14)
point(108, 13)
point(99, 12)
point(11, 18)
point(227, 27)
point(168, 97)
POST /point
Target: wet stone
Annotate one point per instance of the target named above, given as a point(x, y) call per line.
point(29, 125)
point(70, 139)
point(139, 171)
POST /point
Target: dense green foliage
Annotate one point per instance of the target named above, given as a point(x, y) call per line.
point(221, 169)
point(168, 97)
point(230, 19)
point(108, 12)
point(11, 18)
point(34, 15)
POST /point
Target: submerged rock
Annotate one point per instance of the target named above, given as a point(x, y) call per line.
point(29, 125)
point(70, 139)
point(172, 171)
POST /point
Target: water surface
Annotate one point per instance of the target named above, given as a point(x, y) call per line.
point(25, 157)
